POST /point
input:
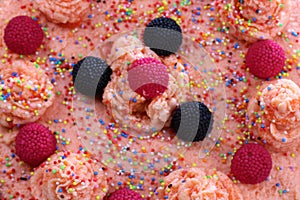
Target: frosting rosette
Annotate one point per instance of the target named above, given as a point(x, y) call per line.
point(276, 113)
point(25, 93)
point(254, 19)
point(63, 11)
point(69, 176)
point(194, 183)
point(127, 106)
point(115, 49)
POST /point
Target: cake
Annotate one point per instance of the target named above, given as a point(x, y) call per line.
point(150, 99)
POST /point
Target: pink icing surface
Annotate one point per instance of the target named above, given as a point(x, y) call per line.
point(74, 42)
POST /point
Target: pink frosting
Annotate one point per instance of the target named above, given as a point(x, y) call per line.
point(63, 11)
point(281, 101)
point(237, 15)
point(141, 114)
point(69, 176)
point(194, 183)
point(28, 106)
point(279, 112)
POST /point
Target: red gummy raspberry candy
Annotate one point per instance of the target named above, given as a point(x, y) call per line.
point(125, 194)
point(265, 59)
point(34, 144)
point(251, 164)
point(148, 77)
point(23, 35)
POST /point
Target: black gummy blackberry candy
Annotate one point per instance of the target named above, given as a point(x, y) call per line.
point(91, 75)
point(192, 121)
point(163, 36)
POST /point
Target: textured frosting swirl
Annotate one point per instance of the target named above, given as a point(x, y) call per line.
point(26, 93)
point(194, 183)
point(63, 11)
point(121, 46)
point(128, 107)
point(277, 112)
point(254, 19)
point(69, 176)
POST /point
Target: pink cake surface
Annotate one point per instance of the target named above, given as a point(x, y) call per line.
point(102, 146)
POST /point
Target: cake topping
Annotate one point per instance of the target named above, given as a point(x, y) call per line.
point(265, 59)
point(192, 121)
point(91, 75)
point(256, 19)
point(69, 176)
point(23, 35)
point(163, 36)
point(275, 113)
point(148, 77)
point(280, 102)
point(64, 11)
point(127, 156)
point(34, 144)
point(194, 183)
point(251, 164)
point(25, 91)
point(125, 194)
point(114, 49)
point(129, 108)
